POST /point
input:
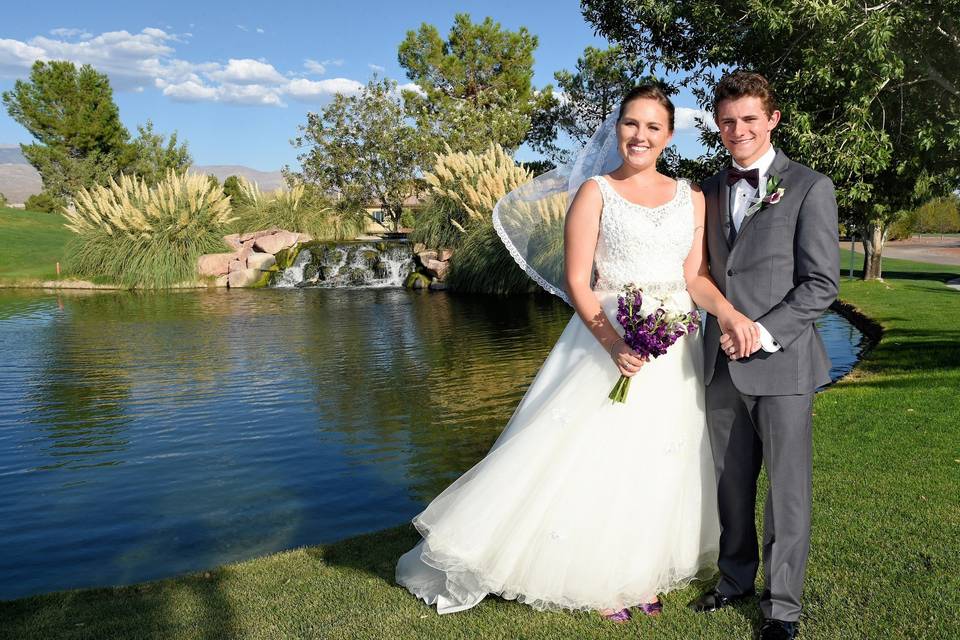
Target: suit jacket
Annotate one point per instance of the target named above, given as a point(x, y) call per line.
point(782, 270)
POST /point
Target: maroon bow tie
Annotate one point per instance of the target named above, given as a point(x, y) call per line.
point(752, 176)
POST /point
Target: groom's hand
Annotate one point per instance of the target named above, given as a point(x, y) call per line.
point(741, 337)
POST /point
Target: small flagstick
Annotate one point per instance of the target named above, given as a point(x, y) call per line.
point(58, 269)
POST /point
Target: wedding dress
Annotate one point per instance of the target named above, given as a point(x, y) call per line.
point(583, 503)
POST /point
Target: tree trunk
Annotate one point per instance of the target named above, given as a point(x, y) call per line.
point(873, 238)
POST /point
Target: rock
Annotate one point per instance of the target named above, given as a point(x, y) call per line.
point(276, 242)
point(445, 255)
point(232, 241)
point(245, 278)
point(236, 265)
point(304, 237)
point(253, 235)
point(417, 281)
point(436, 285)
point(221, 281)
point(423, 256)
point(419, 247)
point(262, 261)
point(436, 268)
point(214, 264)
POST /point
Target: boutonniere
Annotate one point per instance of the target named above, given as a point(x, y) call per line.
point(774, 193)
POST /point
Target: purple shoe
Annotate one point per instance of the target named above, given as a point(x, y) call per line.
point(652, 608)
point(619, 617)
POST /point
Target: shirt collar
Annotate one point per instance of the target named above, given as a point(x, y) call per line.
point(762, 164)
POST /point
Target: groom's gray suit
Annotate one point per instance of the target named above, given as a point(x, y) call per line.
point(781, 269)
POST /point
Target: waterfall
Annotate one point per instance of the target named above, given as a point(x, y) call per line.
point(352, 264)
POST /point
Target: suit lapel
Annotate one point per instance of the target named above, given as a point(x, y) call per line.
point(779, 168)
point(723, 207)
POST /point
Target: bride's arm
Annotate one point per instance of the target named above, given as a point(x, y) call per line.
point(581, 229)
point(704, 290)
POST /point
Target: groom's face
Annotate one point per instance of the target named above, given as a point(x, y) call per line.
point(745, 128)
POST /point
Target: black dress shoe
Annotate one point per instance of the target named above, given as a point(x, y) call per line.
point(713, 600)
point(773, 629)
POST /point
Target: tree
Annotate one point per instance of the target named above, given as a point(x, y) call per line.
point(477, 84)
point(151, 157)
point(363, 148)
point(232, 188)
point(589, 94)
point(867, 93)
point(70, 112)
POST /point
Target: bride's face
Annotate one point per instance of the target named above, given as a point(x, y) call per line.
point(643, 132)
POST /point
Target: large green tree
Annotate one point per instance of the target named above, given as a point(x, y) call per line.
point(870, 92)
point(364, 149)
point(151, 155)
point(70, 112)
point(476, 85)
point(585, 97)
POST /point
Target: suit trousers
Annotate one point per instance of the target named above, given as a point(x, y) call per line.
point(747, 432)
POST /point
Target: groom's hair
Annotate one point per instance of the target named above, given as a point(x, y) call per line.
point(743, 84)
point(649, 91)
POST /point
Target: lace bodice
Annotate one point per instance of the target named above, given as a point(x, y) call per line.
point(642, 245)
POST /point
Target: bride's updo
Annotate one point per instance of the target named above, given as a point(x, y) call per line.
point(649, 91)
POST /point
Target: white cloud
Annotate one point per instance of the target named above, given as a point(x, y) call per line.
point(260, 30)
point(687, 118)
point(308, 90)
point(377, 68)
point(312, 66)
point(16, 57)
point(247, 71)
point(190, 91)
point(63, 32)
point(242, 28)
point(411, 86)
point(337, 62)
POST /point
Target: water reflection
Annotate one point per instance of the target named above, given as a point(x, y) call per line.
point(149, 434)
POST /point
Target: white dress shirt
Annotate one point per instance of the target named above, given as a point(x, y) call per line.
point(742, 195)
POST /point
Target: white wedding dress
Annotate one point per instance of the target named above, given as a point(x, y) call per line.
point(583, 503)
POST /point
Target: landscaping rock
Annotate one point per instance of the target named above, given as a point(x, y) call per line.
point(436, 268)
point(214, 264)
point(304, 237)
point(427, 255)
point(236, 265)
point(262, 261)
point(276, 242)
point(417, 281)
point(221, 281)
point(445, 255)
point(436, 285)
point(419, 247)
point(232, 241)
point(244, 278)
point(253, 235)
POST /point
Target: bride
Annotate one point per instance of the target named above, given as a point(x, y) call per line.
point(582, 503)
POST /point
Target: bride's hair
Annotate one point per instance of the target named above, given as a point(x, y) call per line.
point(649, 91)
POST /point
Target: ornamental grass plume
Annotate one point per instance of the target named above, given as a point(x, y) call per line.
point(301, 208)
point(140, 236)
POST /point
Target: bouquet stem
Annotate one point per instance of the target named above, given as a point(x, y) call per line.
point(619, 391)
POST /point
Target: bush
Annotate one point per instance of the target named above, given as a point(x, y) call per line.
point(44, 202)
point(3, 200)
point(941, 215)
point(303, 208)
point(142, 236)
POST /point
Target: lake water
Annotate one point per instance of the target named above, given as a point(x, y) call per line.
point(148, 434)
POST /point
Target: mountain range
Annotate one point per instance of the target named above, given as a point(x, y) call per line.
point(19, 180)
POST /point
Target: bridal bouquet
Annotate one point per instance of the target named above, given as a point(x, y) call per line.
point(650, 334)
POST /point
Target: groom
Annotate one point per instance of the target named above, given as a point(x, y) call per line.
point(774, 253)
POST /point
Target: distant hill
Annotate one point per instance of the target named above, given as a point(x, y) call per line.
point(267, 180)
point(19, 181)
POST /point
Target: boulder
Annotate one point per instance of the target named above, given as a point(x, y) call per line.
point(236, 265)
point(417, 281)
point(304, 237)
point(436, 268)
point(423, 256)
point(232, 241)
point(436, 285)
point(214, 264)
point(244, 278)
point(419, 247)
point(445, 255)
point(262, 261)
point(276, 242)
point(253, 235)
point(222, 281)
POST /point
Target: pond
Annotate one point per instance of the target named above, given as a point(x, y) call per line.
point(148, 434)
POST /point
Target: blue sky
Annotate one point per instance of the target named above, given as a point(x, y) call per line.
point(235, 80)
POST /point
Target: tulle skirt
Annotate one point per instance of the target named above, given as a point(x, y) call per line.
point(581, 503)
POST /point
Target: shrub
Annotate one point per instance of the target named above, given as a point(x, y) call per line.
point(3, 200)
point(140, 236)
point(44, 202)
point(302, 208)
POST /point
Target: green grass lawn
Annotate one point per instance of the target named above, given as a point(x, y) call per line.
point(884, 564)
point(32, 243)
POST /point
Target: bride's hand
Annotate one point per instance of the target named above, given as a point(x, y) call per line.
point(741, 337)
point(627, 360)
